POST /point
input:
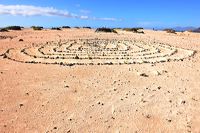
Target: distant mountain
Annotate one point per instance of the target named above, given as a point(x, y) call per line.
point(197, 30)
point(178, 29)
point(183, 28)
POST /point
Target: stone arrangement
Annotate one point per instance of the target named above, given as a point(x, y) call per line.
point(98, 52)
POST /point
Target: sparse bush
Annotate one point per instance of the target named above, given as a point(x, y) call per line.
point(66, 27)
point(170, 31)
point(3, 30)
point(77, 27)
point(135, 30)
point(55, 28)
point(106, 30)
point(87, 27)
point(13, 28)
point(130, 29)
point(37, 27)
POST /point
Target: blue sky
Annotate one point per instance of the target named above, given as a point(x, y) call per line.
point(97, 13)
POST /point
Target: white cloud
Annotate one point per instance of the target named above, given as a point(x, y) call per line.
point(29, 10)
point(108, 19)
point(84, 11)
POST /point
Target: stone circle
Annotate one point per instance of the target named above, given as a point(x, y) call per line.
point(98, 52)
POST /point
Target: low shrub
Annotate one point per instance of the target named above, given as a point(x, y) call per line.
point(87, 27)
point(37, 27)
point(135, 30)
point(13, 28)
point(55, 28)
point(170, 31)
point(66, 27)
point(130, 29)
point(3, 30)
point(107, 30)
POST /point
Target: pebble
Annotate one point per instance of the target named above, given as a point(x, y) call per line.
point(144, 75)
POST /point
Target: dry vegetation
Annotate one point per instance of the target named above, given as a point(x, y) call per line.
point(170, 31)
point(66, 27)
point(55, 28)
point(37, 27)
point(13, 28)
point(3, 30)
point(87, 27)
point(134, 30)
point(106, 30)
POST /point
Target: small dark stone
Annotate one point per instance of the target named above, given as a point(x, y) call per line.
point(183, 102)
point(20, 105)
point(61, 63)
point(144, 75)
point(113, 118)
point(148, 116)
point(76, 57)
point(5, 56)
point(66, 86)
point(169, 120)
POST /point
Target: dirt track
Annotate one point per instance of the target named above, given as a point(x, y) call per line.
point(121, 97)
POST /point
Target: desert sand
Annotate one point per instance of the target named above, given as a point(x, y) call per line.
point(76, 80)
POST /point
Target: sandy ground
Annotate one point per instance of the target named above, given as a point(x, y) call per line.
point(136, 98)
